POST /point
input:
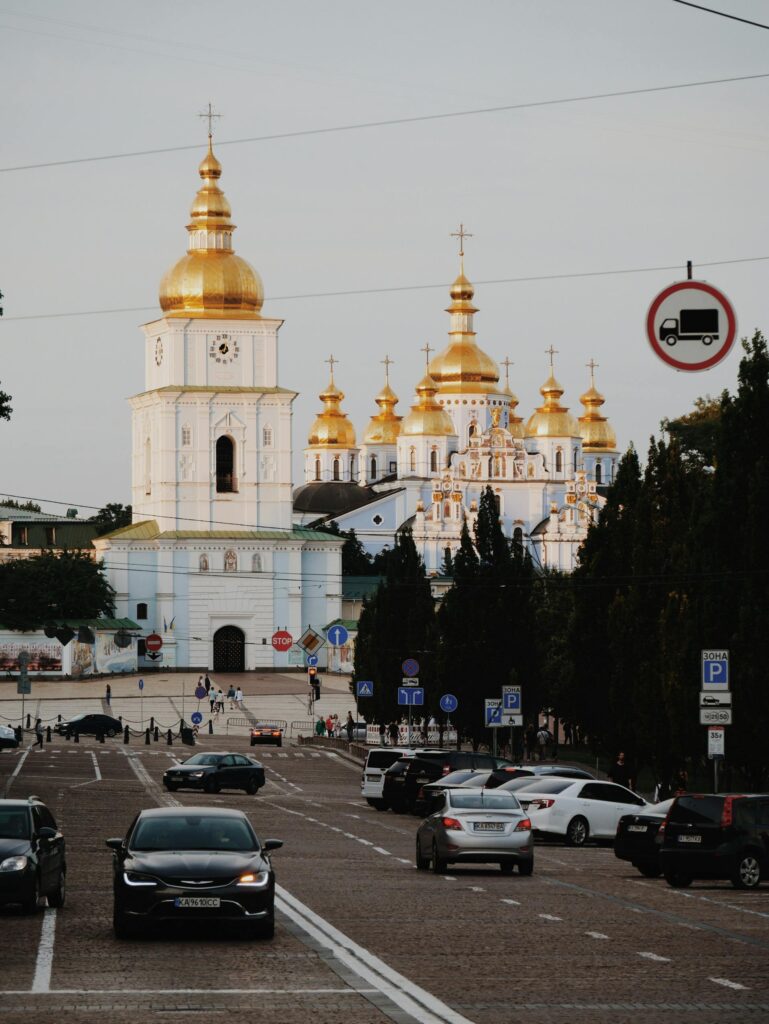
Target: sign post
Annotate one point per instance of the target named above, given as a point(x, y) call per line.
point(715, 704)
point(411, 696)
point(141, 702)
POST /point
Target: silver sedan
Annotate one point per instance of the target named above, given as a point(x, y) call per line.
point(475, 826)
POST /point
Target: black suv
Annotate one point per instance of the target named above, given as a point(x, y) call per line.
point(403, 782)
point(32, 855)
point(715, 836)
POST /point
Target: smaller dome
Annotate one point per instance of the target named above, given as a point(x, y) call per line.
point(597, 433)
point(552, 419)
point(385, 426)
point(427, 417)
point(461, 290)
point(331, 428)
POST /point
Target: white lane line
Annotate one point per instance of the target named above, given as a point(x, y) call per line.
point(597, 935)
point(422, 1005)
point(656, 957)
point(449, 878)
point(190, 991)
point(385, 853)
point(476, 888)
point(550, 917)
point(96, 768)
point(403, 860)
point(728, 984)
point(512, 903)
point(16, 770)
point(44, 963)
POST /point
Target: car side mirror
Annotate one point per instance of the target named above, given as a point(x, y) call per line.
point(47, 833)
point(271, 844)
point(115, 844)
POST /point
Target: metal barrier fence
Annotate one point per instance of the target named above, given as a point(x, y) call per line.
point(249, 723)
point(302, 727)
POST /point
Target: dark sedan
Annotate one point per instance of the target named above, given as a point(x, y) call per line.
point(263, 732)
point(188, 865)
point(8, 738)
point(637, 839)
point(215, 771)
point(90, 725)
point(32, 855)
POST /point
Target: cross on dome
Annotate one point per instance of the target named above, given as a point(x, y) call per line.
point(331, 361)
point(507, 363)
point(427, 350)
point(387, 362)
point(461, 235)
point(551, 352)
point(210, 115)
point(592, 365)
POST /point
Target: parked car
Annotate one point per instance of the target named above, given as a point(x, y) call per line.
point(263, 732)
point(33, 861)
point(214, 771)
point(475, 827)
point(432, 765)
point(577, 809)
point(90, 725)
point(8, 738)
point(193, 864)
point(716, 836)
point(637, 838)
point(372, 779)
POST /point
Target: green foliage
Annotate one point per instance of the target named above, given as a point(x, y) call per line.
point(69, 585)
point(27, 506)
point(356, 561)
point(112, 517)
point(5, 406)
point(697, 432)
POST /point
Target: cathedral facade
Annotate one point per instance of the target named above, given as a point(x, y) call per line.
point(213, 561)
point(428, 469)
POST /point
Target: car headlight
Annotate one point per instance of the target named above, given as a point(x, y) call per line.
point(135, 879)
point(197, 775)
point(14, 863)
point(255, 879)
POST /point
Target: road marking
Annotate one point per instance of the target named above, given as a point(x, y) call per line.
point(476, 888)
point(733, 906)
point(513, 903)
point(191, 991)
point(385, 853)
point(550, 917)
point(403, 860)
point(44, 963)
point(656, 957)
point(597, 935)
point(728, 984)
point(16, 771)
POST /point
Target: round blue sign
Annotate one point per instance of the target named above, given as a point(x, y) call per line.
point(410, 667)
point(338, 636)
point(312, 660)
point(196, 718)
point(200, 692)
point(449, 703)
point(141, 684)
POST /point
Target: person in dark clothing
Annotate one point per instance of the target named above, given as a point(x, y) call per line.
point(382, 734)
point(620, 772)
point(530, 741)
point(393, 731)
point(39, 733)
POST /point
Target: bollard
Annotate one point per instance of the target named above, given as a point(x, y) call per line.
point(147, 737)
point(157, 734)
point(77, 737)
point(152, 722)
point(29, 721)
point(100, 737)
point(58, 719)
point(210, 727)
point(67, 735)
point(48, 735)
point(19, 733)
point(169, 739)
point(126, 735)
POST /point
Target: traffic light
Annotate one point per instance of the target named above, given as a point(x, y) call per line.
point(314, 681)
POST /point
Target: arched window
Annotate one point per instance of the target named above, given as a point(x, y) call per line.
point(373, 467)
point(141, 611)
point(186, 436)
point(472, 429)
point(225, 465)
point(352, 467)
point(256, 563)
point(148, 466)
point(267, 437)
point(317, 469)
point(336, 469)
point(559, 461)
point(433, 461)
point(412, 459)
point(576, 455)
point(203, 563)
point(518, 537)
point(598, 473)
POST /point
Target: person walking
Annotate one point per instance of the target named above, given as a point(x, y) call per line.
point(349, 726)
point(382, 734)
point(231, 696)
point(320, 726)
point(220, 700)
point(330, 727)
point(543, 738)
point(108, 695)
point(620, 772)
point(393, 731)
point(239, 699)
point(39, 733)
point(211, 696)
point(208, 684)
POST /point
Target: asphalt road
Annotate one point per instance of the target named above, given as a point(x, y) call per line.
point(361, 935)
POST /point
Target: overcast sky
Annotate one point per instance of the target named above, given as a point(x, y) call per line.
point(629, 182)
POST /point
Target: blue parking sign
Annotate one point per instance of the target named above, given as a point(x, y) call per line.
point(715, 670)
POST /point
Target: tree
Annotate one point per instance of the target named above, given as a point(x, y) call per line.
point(52, 587)
point(112, 517)
point(356, 561)
point(27, 506)
point(447, 565)
point(5, 406)
point(697, 432)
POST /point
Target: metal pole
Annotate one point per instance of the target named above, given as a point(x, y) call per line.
point(409, 725)
point(715, 774)
point(494, 742)
point(141, 705)
point(183, 697)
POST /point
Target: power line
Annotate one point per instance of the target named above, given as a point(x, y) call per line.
point(567, 276)
point(721, 14)
point(391, 122)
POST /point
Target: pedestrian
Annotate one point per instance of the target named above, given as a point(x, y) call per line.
point(382, 734)
point(212, 697)
point(349, 726)
point(231, 696)
point(220, 700)
point(39, 733)
point(543, 738)
point(567, 732)
point(330, 727)
point(239, 699)
point(530, 741)
point(393, 731)
point(320, 726)
point(108, 695)
point(620, 772)
point(208, 684)
point(680, 782)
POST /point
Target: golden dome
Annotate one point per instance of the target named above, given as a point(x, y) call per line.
point(331, 428)
point(462, 366)
point(427, 417)
point(597, 433)
point(211, 281)
point(551, 418)
point(385, 426)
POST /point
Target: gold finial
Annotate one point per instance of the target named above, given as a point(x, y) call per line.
point(507, 363)
point(461, 235)
point(331, 362)
point(551, 352)
point(210, 115)
point(387, 364)
point(592, 365)
point(427, 350)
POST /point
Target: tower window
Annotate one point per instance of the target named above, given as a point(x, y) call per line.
point(186, 436)
point(559, 461)
point(352, 467)
point(336, 469)
point(317, 469)
point(576, 455)
point(141, 611)
point(518, 537)
point(433, 461)
point(225, 465)
point(598, 473)
point(267, 437)
point(373, 467)
point(412, 459)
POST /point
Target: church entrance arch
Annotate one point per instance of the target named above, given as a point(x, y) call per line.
point(229, 650)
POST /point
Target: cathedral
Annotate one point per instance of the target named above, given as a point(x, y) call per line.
point(427, 470)
point(212, 560)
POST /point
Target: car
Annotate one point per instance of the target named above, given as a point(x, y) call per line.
point(432, 765)
point(186, 865)
point(8, 738)
point(524, 782)
point(214, 771)
point(578, 809)
point(33, 859)
point(263, 732)
point(372, 779)
point(90, 725)
point(637, 838)
point(716, 836)
point(475, 827)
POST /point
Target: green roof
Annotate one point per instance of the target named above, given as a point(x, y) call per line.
point(149, 530)
point(101, 623)
point(356, 587)
point(349, 624)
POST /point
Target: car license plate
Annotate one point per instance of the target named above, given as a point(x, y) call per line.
point(488, 826)
point(690, 839)
point(636, 828)
point(198, 902)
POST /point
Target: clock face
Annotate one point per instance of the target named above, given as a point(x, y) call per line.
point(223, 349)
point(159, 351)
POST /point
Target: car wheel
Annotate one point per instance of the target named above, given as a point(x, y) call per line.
point(57, 897)
point(577, 832)
point(252, 786)
point(423, 863)
point(279, 743)
point(747, 872)
point(265, 929)
point(381, 805)
point(30, 905)
point(506, 867)
point(122, 927)
point(678, 880)
point(439, 864)
point(526, 867)
point(649, 870)
point(212, 785)
point(171, 786)
point(111, 733)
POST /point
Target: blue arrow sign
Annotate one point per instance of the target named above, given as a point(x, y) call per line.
point(196, 718)
point(411, 695)
point(364, 688)
point(141, 684)
point(449, 703)
point(312, 660)
point(338, 636)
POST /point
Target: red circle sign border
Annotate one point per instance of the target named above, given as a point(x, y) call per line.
point(283, 638)
point(153, 642)
point(730, 335)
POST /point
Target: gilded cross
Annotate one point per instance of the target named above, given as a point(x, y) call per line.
point(551, 352)
point(331, 362)
point(507, 363)
point(210, 115)
point(592, 364)
point(387, 364)
point(461, 235)
point(427, 350)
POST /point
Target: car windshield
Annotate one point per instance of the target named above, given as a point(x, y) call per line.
point(204, 759)
point(461, 775)
point(192, 832)
point(697, 810)
point(14, 824)
point(470, 800)
point(77, 718)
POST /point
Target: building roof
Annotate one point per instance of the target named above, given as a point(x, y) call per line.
point(355, 588)
point(149, 530)
point(332, 497)
point(351, 625)
point(25, 515)
point(217, 389)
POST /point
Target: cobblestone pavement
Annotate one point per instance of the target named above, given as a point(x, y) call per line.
point(360, 933)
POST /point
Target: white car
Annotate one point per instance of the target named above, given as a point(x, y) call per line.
point(578, 809)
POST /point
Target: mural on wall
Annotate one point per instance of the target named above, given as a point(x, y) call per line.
point(108, 657)
point(44, 655)
point(82, 659)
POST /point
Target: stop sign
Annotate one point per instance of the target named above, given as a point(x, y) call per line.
point(154, 642)
point(282, 640)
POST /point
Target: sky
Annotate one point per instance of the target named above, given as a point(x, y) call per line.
point(608, 188)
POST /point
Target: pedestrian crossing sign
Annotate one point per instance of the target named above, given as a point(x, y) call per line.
point(364, 688)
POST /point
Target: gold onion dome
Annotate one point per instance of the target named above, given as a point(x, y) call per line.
point(331, 428)
point(551, 418)
point(463, 366)
point(211, 281)
point(427, 417)
point(385, 426)
point(597, 433)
